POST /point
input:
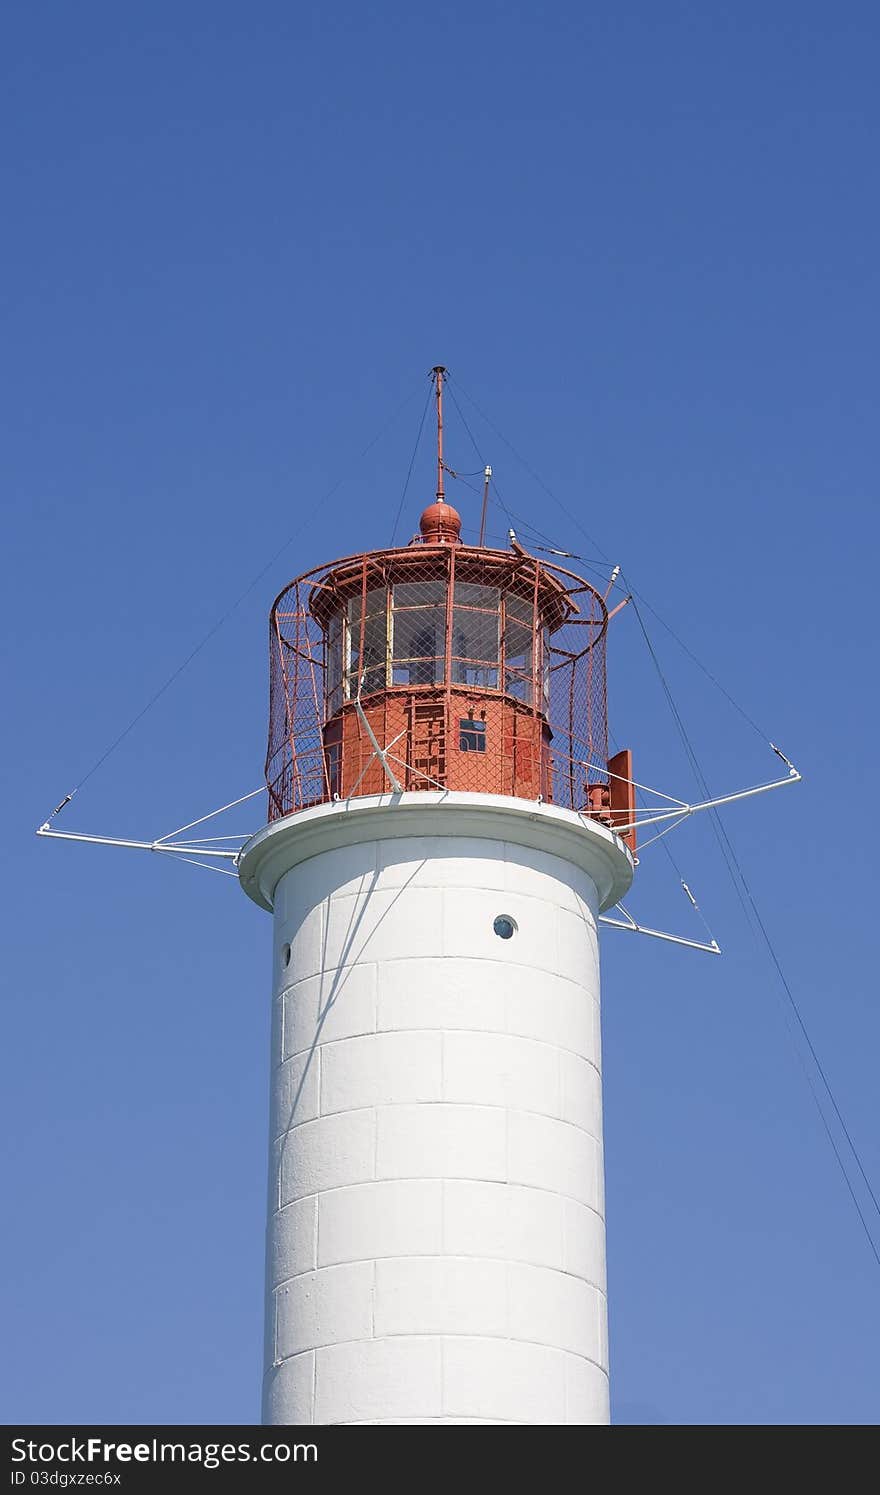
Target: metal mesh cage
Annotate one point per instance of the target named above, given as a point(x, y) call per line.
point(473, 669)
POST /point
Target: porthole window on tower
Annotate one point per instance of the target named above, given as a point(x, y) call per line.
point(285, 956)
point(505, 927)
point(471, 735)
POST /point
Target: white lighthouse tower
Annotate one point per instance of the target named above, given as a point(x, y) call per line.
point(441, 843)
point(445, 833)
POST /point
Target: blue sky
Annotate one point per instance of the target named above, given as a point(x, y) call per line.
point(645, 241)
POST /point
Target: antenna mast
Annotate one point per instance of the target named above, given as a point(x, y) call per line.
point(439, 373)
point(487, 474)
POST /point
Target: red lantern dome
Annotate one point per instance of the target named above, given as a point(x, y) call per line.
point(440, 524)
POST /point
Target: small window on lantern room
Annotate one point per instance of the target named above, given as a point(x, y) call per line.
point(333, 766)
point(471, 735)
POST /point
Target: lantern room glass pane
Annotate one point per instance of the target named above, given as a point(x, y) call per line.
point(419, 594)
point(546, 662)
point(334, 663)
point(518, 660)
point(475, 648)
point(425, 671)
point(521, 608)
point(418, 645)
point(474, 594)
point(372, 661)
point(376, 598)
point(475, 636)
point(374, 631)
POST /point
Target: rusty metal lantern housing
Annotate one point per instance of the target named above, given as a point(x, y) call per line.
point(478, 670)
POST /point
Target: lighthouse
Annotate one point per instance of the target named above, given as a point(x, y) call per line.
point(445, 829)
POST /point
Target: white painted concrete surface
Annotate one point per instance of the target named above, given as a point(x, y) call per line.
point(436, 1239)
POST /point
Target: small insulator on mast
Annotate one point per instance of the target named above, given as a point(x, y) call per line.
point(487, 478)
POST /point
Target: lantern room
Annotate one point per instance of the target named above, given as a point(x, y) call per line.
point(439, 665)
